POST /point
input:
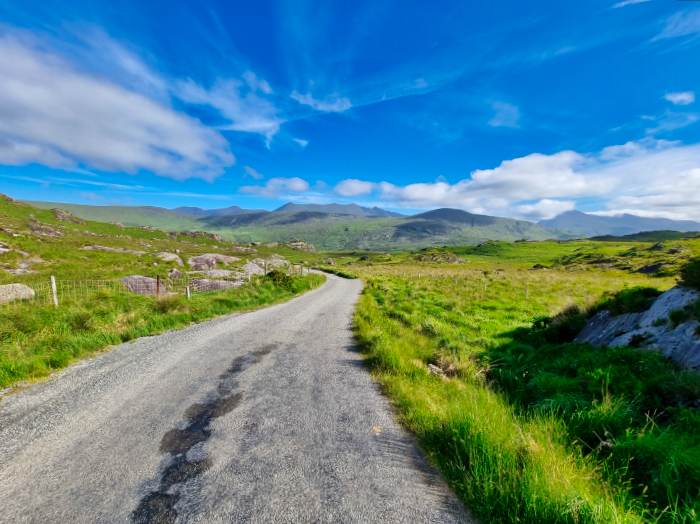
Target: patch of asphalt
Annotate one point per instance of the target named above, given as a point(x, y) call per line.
point(268, 416)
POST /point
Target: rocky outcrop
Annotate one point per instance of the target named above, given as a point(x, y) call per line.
point(301, 245)
point(65, 216)
point(44, 230)
point(210, 260)
point(4, 248)
point(205, 284)
point(13, 292)
point(652, 329)
point(170, 257)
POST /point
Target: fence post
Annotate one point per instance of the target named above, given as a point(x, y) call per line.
point(54, 291)
point(188, 293)
point(157, 285)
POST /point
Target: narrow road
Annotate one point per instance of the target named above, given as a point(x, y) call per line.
point(267, 416)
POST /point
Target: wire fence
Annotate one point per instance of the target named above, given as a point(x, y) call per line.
point(53, 292)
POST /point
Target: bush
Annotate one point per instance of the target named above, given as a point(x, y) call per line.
point(280, 279)
point(690, 274)
point(632, 300)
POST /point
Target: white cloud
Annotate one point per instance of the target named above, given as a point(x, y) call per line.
point(352, 187)
point(54, 114)
point(625, 3)
point(646, 177)
point(253, 173)
point(332, 104)
point(680, 98)
point(242, 105)
point(545, 208)
point(301, 142)
point(505, 115)
point(682, 23)
point(276, 187)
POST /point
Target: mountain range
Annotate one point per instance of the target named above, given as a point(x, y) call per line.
point(581, 224)
point(350, 226)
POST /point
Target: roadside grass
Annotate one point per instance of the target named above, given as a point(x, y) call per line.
point(35, 341)
point(525, 425)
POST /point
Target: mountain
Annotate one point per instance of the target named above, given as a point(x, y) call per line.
point(337, 209)
point(585, 225)
point(327, 227)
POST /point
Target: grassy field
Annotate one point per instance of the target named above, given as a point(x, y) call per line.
point(36, 338)
point(526, 425)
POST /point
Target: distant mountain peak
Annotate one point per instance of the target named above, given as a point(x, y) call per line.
point(336, 209)
point(587, 225)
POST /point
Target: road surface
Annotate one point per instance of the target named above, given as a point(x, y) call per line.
point(267, 416)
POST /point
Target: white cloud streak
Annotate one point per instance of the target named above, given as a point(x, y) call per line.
point(54, 114)
point(332, 104)
point(353, 187)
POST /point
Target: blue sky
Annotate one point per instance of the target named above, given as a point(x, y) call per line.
point(522, 109)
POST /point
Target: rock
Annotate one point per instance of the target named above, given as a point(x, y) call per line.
point(243, 249)
point(220, 273)
point(170, 257)
point(108, 249)
point(651, 269)
point(13, 292)
point(210, 260)
point(41, 229)
point(673, 299)
point(205, 284)
point(252, 268)
point(4, 248)
point(603, 328)
point(141, 285)
point(434, 370)
point(65, 216)
point(174, 274)
point(651, 329)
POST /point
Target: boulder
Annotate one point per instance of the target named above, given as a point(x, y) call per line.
point(220, 273)
point(65, 216)
point(651, 329)
point(243, 249)
point(210, 260)
point(672, 300)
point(205, 284)
point(174, 274)
point(13, 292)
point(169, 257)
point(252, 268)
point(141, 285)
point(4, 248)
point(41, 229)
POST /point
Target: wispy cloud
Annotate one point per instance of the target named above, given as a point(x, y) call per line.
point(680, 98)
point(301, 142)
point(54, 114)
point(330, 104)
point(681, 24)
point(253, 173)
point(505, 115)
point(625, 3)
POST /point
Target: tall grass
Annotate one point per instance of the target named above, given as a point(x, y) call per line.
point(34, 341)
point(497, 422)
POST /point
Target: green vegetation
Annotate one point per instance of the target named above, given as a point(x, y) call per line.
point(690, 274)
point(36, 338)
point(34, 341)
point(526, 425)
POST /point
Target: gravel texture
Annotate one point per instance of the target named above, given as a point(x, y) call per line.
point(267, 416)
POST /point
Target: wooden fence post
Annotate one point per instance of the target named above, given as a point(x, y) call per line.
point(157, 285)
point(187, 292)
point(54, 291)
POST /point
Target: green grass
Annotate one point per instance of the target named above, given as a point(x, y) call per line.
point(34, 341)
point(525, 425)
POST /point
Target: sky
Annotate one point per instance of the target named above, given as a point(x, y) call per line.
point(509, 108)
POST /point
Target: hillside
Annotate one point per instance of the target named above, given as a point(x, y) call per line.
point(327, 227)
point(586, 225)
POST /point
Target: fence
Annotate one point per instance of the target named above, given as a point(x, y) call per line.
point(52, 291)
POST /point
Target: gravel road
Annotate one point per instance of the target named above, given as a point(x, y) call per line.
point(267, 416)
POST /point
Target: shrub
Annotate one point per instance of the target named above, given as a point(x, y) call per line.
point(167, 304)
point(690, 274)
point(631, 300)
point(280, 279)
